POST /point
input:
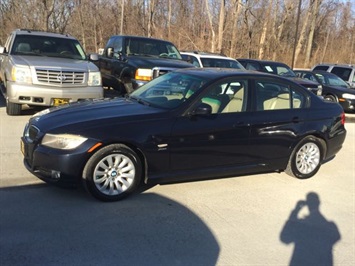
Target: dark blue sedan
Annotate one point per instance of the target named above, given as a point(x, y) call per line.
point(185, 125)
point(333, 88)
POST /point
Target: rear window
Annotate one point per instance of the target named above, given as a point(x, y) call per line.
point(325, 68)
point(342, 72)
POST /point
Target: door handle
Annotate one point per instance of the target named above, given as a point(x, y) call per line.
point(296, 119)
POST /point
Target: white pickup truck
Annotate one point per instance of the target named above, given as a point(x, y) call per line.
point(46, 69)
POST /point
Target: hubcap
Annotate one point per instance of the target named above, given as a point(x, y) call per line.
point(114, 174)
point(307, 158)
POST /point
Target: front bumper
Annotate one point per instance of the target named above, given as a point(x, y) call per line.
point(62, 167)
point(347, 104)
point(47, 96)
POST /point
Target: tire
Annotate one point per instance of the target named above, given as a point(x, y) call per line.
point(330, 98)
point(305, 159)
point(13, 108)
point(112, 173)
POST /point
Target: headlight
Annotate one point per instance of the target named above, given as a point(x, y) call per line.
point(143, 74)
point(349, 96)
point(62, 141)
point(21, 74)
point(40, 113)
point(94, 79)
point(320, 90)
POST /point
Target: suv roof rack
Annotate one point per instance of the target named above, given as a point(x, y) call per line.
point(35, 30)
point(204, 53)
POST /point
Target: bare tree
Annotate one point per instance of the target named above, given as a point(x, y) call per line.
point(221, 25)
point(267, 20)
point(314, 15)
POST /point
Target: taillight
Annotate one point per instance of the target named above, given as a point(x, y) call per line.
point(343, 118)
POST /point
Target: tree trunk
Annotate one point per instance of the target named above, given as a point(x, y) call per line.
point(221, 26)
point(289, 9)
point(314, 16)
point(302, 38)
point(209, 15)
point(265, 30)
point(236, 13)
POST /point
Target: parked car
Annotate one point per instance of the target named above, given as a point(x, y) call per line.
point(345, 72)
point(40, 68)
point(204, 59)
point(334, 88)
point(185, 125)
point(128, 62)
point(280, 69)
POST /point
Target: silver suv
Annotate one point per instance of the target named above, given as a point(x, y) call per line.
point(46, 69)
point(345, 72)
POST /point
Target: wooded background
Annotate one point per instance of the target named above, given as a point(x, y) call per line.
point(264, 29)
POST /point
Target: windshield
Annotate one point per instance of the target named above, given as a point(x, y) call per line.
point(168, 91)
point(136, 46)
point(47, 46)
point(331, 80)
point(220, 62)
point(281, 70)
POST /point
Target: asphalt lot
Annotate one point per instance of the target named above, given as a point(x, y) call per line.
point(231, 221)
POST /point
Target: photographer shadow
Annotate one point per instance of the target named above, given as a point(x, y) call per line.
point(313, 235)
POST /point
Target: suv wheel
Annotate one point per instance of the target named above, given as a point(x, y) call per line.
point(330, 98)
point(13, 108)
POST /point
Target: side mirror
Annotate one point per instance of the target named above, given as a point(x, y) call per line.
point(2, 50)
point(202, 109)
point(109, 52)
point(94, 57)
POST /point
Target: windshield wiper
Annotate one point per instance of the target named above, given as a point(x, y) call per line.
point(139, 100)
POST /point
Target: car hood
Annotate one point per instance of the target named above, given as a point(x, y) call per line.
point(153, 61)
point(341, 89)
point(304, 82)
point(56, 63)
point(92, 112)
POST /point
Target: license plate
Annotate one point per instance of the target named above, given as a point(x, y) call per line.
point(60, 101)
point(22, 145)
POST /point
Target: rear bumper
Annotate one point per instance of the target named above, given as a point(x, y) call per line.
point(335, 144)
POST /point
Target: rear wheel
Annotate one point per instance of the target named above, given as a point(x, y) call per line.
point(112, 172)
point(306, 159)
point(13, 108)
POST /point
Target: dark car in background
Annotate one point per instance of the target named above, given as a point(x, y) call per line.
point(185, 125)
point(280, 69)
point(334, 88)
point(344, 71)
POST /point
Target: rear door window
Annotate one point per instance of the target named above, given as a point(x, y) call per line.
point(276, 96)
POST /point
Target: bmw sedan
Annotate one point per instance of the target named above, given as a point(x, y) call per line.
point(185, 125)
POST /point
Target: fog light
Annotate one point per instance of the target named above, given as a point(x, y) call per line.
point(55, 174)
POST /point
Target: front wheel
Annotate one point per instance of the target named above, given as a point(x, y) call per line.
point(306, 159)
point(13, 108)
point(330, 98)
point(112, 172)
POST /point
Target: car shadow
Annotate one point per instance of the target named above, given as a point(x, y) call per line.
point(313, 236)
point(46, 225)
